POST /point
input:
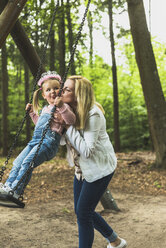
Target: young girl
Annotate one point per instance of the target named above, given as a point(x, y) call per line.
point(49, 84)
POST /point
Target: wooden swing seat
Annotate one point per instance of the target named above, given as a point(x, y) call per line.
point(9, 201)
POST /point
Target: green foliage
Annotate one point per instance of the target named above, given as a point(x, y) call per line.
point(134, 133)
point(101, 77)
point(36, 18)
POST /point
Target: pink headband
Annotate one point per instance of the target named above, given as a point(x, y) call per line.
point(47, 76)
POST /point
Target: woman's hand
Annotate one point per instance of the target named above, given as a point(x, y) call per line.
point(58, 102)
point(29, 107)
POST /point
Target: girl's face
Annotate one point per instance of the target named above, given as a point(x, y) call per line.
point(49, 88)
point(68, 95)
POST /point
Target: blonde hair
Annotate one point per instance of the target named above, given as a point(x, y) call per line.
point(35, 103)
point(36, 95)
point(85, 98)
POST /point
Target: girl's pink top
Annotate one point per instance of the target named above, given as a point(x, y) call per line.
point(66, 113)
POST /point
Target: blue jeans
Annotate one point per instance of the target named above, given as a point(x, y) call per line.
point(47, 151)
point(86, 197)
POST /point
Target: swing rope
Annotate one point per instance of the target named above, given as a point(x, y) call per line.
point(150, 16)
point(31, 167)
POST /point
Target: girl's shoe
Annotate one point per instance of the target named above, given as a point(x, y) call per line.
point(1, 185)
point(6, 189)
point(122, 244)
point(15, 195)
point(2, 191)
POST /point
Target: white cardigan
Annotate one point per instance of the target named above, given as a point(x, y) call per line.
point(97, 157)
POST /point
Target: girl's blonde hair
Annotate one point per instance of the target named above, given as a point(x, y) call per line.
point(35, 103)
point(36, 96)
point(48, 75)
point(85, 98)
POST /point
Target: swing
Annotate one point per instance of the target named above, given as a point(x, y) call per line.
point(7, 199)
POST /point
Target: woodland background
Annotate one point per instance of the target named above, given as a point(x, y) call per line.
point(119, 88)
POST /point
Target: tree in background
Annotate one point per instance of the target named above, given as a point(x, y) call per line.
point(70, 32)
point(154, 97)
point(61, 33)
point(114, 79)
point(4, 100)
point(134, 130)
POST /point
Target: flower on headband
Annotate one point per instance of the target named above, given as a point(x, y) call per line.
point(47, 75)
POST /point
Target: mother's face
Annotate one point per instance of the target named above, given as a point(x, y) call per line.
point(68, 95)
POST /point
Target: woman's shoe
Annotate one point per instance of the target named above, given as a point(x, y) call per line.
point(122, 244)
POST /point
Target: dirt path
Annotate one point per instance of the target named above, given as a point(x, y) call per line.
point(142, 222)
point(48, 219)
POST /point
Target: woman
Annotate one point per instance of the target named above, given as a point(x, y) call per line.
point(90, 151)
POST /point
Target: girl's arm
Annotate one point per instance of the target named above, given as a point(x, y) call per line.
point(66, 112)
point(33, 115)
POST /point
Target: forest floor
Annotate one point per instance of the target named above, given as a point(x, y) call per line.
point(48, 219)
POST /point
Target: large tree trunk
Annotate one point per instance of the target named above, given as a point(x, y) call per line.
point(22, 41)
point(4, 101)
point(114, 78)
point(9, 16)
point(27, 50)
point(154, 97)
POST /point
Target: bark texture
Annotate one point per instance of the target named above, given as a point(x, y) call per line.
point(9, 16)
point(154, 97)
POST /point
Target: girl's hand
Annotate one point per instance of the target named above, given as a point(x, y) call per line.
point(58, 118)
point(29, 107)
point(58, 102)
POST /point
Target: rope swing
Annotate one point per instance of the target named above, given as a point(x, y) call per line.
point(7, 199)
point(150, 16)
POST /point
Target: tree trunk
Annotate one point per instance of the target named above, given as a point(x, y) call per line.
point(23, 43)
point(154, 97)
point(108, 202)
point(36, 31)
point(4, 101)
point(9, 16)
point(61, 33)
point(115, 83)
point(52, 51)
point(69, 22)
point(27, 50)
point(28, 122)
